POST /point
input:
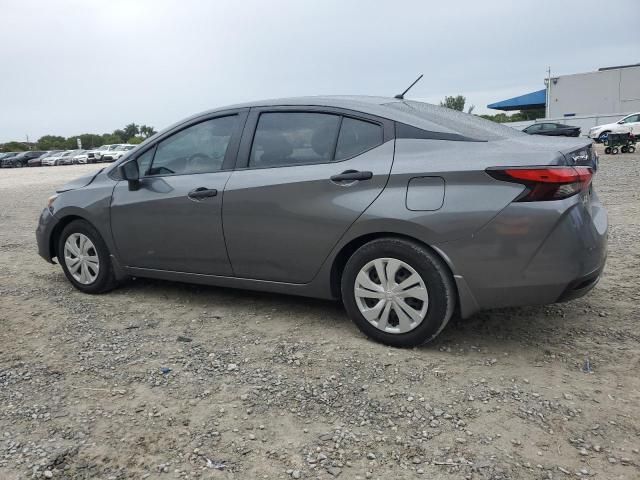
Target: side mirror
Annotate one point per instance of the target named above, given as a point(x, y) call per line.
point(129, 172)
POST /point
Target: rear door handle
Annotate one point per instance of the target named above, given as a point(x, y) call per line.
point(352, 176)
point(202, 192)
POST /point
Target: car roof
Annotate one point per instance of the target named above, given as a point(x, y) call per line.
point(411, 112)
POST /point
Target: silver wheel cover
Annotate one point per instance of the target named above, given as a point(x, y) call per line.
point(391, 295)
point(81, 258)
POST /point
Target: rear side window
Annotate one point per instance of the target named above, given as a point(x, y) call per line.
point(293, 138)
point(356, 137)
point(200, 148)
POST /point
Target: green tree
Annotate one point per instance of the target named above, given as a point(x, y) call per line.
point(454, 103)
point(89, 140)
point(13, 147)
point(147, 131)
point(51, 142)
point(110, 139)
point(135, 140)
point(120, 134)
point(521, 116)
point(131, 130)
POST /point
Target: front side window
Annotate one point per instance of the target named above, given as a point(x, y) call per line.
point(200, 148)
point(293, 138)
point(144, 162)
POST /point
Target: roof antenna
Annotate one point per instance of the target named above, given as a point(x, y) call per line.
point(401, 96)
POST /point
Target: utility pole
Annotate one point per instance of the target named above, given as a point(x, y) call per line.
point(548, 105)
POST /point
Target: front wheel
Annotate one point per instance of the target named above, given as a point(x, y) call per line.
point(398, 292)
point(85, 259)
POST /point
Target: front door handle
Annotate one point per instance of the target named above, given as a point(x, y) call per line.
point(352, 176)
point(202, 192)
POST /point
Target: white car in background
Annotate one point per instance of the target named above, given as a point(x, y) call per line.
point(81, 157)
point(52, 160)
point(66, 158)
point(628, 124)
point(97, 153)
point(116, 153)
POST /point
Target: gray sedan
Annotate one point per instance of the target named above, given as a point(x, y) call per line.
point(405, 211)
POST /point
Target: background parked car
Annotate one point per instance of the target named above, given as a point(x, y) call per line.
point(56, 159)
point(117, 153)
point(66, 158)
point(80, 157)
point(628, 124)
point(51, 159)
point(6, 155)
point(552, 130)
point(37, 162)
point(21, 159)
point(100, 151)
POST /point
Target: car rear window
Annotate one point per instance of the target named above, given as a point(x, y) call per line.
point(356, 137)
point(467, 125)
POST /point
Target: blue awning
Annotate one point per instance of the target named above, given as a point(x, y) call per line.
point(527, 101)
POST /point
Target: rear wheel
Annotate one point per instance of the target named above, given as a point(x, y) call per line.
point(85, 259)
point(631, 149)
point(614, 151)
point(398, 292)
point(607, 150)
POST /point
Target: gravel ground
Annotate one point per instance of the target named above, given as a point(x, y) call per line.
point(166, 380)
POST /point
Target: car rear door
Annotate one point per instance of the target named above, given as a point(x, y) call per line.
point(303, 176)
point(172, 220)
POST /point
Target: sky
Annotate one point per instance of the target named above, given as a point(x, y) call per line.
point(81, 66)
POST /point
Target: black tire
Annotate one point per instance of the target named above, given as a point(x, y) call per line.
point(624, 149)
point(614, 151)
point(602, 136)
point(607, 150)
point(631, 149)
point(434, 273)
point(105, 279)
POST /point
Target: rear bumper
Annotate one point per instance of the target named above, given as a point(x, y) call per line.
point(46, 226)
point(531, 254)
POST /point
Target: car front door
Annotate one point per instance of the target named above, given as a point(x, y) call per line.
point(303, 177)
point(633, 122)
point(172, 220)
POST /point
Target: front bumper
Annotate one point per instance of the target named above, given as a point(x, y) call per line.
point(44, 232)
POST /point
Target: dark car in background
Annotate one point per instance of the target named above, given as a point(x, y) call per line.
point(552, 130)
point(7, 156)
point(4, 155)
point(21, 159)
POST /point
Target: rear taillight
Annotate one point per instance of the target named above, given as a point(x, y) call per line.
point(545, 183)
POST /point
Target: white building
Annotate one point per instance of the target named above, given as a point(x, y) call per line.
point(610, 90)
point(583, 99)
